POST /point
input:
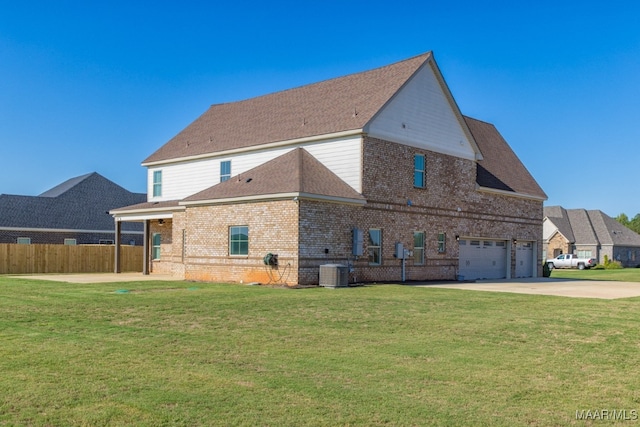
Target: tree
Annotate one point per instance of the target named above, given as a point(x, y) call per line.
point(623, 219)
point(633, 224)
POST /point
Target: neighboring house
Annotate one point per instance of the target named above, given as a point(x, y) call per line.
point(589, 234)
point(339, 172)
point(74, 212)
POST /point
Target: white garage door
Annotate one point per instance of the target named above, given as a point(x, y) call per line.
point(483, 259)
point(524, 259)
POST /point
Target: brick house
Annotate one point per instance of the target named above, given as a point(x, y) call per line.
point(341, 171)
point(588, 234)
point(73, 212)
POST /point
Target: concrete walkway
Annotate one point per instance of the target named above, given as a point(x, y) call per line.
point(98, 277)
point(549, 286)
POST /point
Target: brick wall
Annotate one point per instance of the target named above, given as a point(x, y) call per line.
point(306, 234)
point(272, 229)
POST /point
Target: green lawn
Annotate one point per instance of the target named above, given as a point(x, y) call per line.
point(621, 275)
point(190, 354)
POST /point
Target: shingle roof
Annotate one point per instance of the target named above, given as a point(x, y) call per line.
point(335, 105)
point(588, 227)
point(296, 171)
point(558, 216)
point(500, 169)
point(80, 203)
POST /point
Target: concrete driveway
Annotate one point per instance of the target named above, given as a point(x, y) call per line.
point(549, 286)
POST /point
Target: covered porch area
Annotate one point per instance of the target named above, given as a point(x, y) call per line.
point(158, 239)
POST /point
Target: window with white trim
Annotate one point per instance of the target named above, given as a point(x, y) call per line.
point(156, 239)
point(418, 248)
point(70, 242)
point(24, 240)
point(157, 183)
point(225, 170)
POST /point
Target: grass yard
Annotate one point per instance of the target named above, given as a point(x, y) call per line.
point(178, 353)
point(620, 275)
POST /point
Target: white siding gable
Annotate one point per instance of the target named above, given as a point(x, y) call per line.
point(179, 180)
point(420, 115)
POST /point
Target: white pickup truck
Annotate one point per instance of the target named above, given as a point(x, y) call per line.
point(570, 261)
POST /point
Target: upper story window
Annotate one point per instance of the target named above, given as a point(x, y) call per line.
point(157, 183)
point(418, 171)
point(24, 240)
point(225, 170)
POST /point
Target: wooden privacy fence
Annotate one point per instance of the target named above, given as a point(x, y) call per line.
point(26, 259)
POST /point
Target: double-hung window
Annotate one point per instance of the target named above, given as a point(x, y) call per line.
point(375, 246)
point(418, 171)
point(156, 239)
point(157, 183)
point(225, 170)
point(418, 248)
point(239, 240)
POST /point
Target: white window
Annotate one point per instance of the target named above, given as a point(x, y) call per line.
point(70, 241)
point(24, 240)
point(418, 248)
point(225, 170)
point(106, 242)
point(375, 246)
point(157, 183)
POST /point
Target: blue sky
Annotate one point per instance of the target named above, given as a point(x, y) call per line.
point(98, 86)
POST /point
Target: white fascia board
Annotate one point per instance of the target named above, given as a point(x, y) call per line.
point(144, 214)
point(510, 193)
point(271, 197)
point(257, 147)
point(65, 230)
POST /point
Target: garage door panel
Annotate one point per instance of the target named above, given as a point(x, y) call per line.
point(524, 259)
point(483, 259)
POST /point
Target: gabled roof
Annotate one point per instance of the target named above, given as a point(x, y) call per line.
point(80, 203)
point(558, 216)
point(337, 105)
point(500, 168)
point(295, 173)
point(590, 227)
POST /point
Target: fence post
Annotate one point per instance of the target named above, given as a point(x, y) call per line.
point(117, 266)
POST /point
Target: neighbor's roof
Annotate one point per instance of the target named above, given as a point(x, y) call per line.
point(331, 106)
point(295, 172)
point(558, 216)
point(81, 203)
point(501, 169)
point(589, 227)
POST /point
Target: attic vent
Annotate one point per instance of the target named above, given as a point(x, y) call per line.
point(355, 111)
point(249, 180)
